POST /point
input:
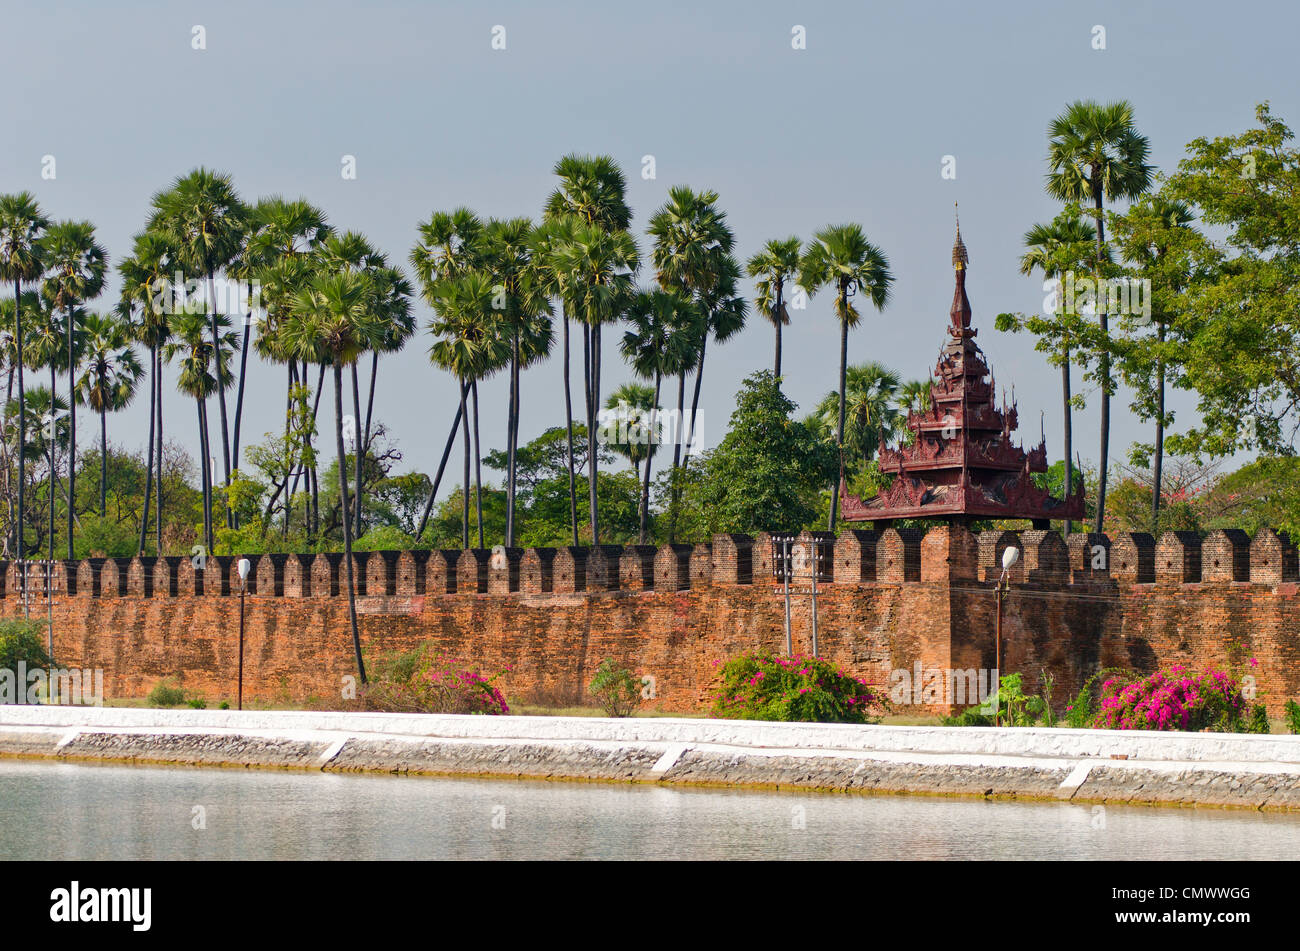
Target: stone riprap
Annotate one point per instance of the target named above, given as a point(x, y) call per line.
point(1079, 765)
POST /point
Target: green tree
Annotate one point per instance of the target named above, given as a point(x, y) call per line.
point(21, 225)
point(842, 257)
point(1095, 154)
point(775, 266)
point(112, 374)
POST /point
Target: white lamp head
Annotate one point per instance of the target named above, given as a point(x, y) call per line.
point(1009, 557)
point(244, 567)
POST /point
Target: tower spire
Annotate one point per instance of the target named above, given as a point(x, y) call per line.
point(960, 259)
point(960, 312)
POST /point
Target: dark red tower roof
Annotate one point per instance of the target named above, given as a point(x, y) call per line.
point(962, 463)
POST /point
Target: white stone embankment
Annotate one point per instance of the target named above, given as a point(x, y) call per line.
point(1082, 765)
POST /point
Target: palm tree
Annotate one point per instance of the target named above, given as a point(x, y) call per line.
point(592, 193)
point(914, 396)
point(774, 266)
point(143, 307)
point(112, 374)
point(525, 310)
point(469, 343)
point(595, 268)
point(1095, 153)
point(75, 265)
point(1054, 249)
point(21, 226)
point(631, 409)
point(47, 416)
point(1152, 229)
point(332, 322)
point(201, 212)
point(872, 397)
point(692, 254)
point(198, 379)
point(45, 349)
point(277, 230)
point(841, 255)
point(450, 246)
point(660, 343)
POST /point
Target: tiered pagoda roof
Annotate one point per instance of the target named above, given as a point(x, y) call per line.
point(962, 463)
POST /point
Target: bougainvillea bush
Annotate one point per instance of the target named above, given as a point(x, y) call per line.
point(760, 685)
point(1178, 700)
point(423, 681)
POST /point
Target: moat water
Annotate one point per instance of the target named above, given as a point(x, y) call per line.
point(63, 811)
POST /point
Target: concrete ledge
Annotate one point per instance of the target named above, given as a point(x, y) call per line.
point(1082, 765)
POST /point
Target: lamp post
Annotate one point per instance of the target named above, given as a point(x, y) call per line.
point(244, 566)
point(1009, 557)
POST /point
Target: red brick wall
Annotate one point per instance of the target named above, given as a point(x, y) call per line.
point(698, 605)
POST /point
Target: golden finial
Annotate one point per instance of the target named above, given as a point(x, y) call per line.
point(960, 260)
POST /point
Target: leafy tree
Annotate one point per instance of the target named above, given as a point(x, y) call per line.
point(842, 257)
point(1095, 154)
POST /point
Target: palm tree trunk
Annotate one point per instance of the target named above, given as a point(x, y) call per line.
point(464, 500)
point(158, 513)
point(446, 454)
point(103, 462)
point(776, 319)
point(205, 474)
point(568, 423)
point(478, 467)
point(839, 431)
point(52, 435)
point(593, 445)
point(221, 388)
point(674, 489)
point(358, 450)
point(1160, 436)
point(695, 399)
point(148, 456)
point(1104, 365)
point(20, 549)
point(370, 398)
point(643, 536)
point(511, 415)
point(72, 436)
point(239, 394)
point(1069, 432)
point(347, 522)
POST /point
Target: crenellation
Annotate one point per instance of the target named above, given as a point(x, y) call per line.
point(1046, 557)
point(949, 553)
point(326, 571)
point(472, 570)
point(1178, 558)
point(701, 565)
point(503, 570)
point(1273, 558)
point(602, 567)
point(381, 573)
point(297, 576)
point(898, 555)
point(536, 571)
point(673, 568)
point(1089, 556)
point(855, 556)
point(569, 569)
point(992, 544)
point(441, 575)
point(1225, 555)
point(1133, 558)
point(733, 559)
point(636, 567)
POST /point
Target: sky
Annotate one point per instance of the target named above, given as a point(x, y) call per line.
point(855, 126)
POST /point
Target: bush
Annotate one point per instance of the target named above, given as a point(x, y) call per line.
point(1292, 716)
point(1012, 706)
point(617, 689)
point(166, 694)
point(22, 641)
point(1178, 700)
point(760, 685)
point(423, 681)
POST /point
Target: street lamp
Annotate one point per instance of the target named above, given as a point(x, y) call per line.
point(1009, 557)
point(244, 566)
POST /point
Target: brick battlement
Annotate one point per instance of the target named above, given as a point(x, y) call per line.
point(547, 617)
point(856, 557)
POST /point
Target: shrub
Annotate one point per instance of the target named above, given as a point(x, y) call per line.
point(194, 703)
point(1178, 700)
point(166, 694)
point(1292, 716)
point(423, 681)
point(1012, 707)
point(617, 689)
point(760, 685)
point(22, 641)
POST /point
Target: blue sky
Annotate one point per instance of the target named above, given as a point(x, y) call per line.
point(852, 128)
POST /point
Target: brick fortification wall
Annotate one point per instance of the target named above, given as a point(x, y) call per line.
point(888, 600)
